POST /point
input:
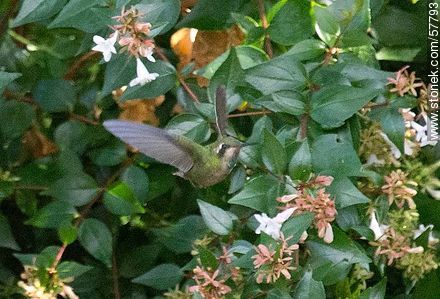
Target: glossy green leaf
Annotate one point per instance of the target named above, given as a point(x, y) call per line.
point(345, 193)
point(7, 78)
point(37, 10)
point(6, 237)
point(111, 153)
point(334, 155)
point(55, 95)
point(273, 153)
point(295, 226)
point(120, 200)
point(53, 215)
point(300, 164)
point(16, 118)
point(254, 194)
point(392, 124)
point(216, 219)
point(136, 178)
point(162, 277)
point(154, 12)
point(75, 189)
point(332, 105)
point(307, 49)
point(71, 269)
point(292, 23)
point(192, 126)
point(375, 292)
point(280, 73)
point(308, 288)
point(96, 238)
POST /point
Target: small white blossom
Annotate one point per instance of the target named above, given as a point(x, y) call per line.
point(272, 226)
point(143, 76)
point(105, 46)
point(378, 229)
point(328, 237)
point(147, 53)
point(422, 132)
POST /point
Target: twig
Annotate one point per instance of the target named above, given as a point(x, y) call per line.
point(59, 256)
point(179, 77)
point(30, 187)
point(250, 113)
point(83, 119)
point(115, 276)
point(265, 24)
point(304, 122)
point(71, 72)
point(373, 105)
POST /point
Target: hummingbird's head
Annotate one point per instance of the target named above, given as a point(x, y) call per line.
point(227, 149)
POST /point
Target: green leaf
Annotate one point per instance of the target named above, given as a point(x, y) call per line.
point(118, 72)
point(300, 165)
point(254, 194)
point(295, 226)
point(427, 286)
point(154, 12)
point(37, 10)
point(332, 105)
point(6, 237)
point(345, 193)
point(86, 15)
point(162, 277)
point(72, 135)
point(6, 78)
point(281, 73)
point(334, 155)
point(67, 233)
point(53, 215)
point(308, 288)
point(55, 95)
point(238, 179)
point(191, 125)
point(96, 238)
point(292, 23)
point(273, 153)
point(392, 123)
point(327, 26)
point(307, 49)
point(76, 189)
point(120, 200)
point(166, 80)
point(332, 262)
point(180, 236)
point(207, 258)
point(71, 269)
point(229, 74)
point(136, 178)
point(375, 292)
point(211, 14)
point(16, 118)
point(291, 102)
point(135, 261)
point(110, 154)
point(216, 219)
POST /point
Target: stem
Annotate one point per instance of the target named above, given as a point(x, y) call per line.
point(264, 112)
point(304, 122)
point(265, 24)
point(59, 256)
point(21, 39)
point(115, 276)
point(83, 119)
point(9, 13)
point(71, 72)
point(179, 77)
point(30, 187)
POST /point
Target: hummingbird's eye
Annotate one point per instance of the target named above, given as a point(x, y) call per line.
point(221, 149)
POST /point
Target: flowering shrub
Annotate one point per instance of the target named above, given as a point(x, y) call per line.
point(336, 187)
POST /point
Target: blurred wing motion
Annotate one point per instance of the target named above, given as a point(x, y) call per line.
point(220, 110)
point(153, 142)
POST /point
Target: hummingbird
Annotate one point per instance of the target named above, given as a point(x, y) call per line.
point(203, 166)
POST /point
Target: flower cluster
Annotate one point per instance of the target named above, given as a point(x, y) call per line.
point(404, 82)
point(272, 263)
point(311, 197)
point(34, 288)
point(132, 35)
point(397, 189)
point(208, 283)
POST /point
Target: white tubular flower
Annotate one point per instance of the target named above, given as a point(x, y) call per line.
point(377, 229)
point(394, 150)
point(272, 226)
point(105, 46)
point(422, 132)
point(147, 53)
point(143, 76)
point(328, 236)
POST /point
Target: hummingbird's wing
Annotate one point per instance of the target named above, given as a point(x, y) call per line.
point(153, 142)
point(220, 110)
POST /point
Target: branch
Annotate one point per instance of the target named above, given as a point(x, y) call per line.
point(265, 24)
point(179, 77)
point(71, 72)
point(253, 113)
point(304, 122)
point(115, 276)
point(83, 119)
